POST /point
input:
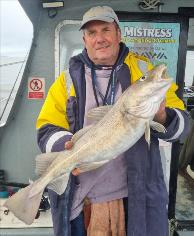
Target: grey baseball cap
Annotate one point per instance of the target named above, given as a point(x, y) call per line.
point(102, 13)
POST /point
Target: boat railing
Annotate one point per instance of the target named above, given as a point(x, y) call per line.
point(7, 102)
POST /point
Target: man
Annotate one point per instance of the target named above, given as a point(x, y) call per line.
point(127, 195)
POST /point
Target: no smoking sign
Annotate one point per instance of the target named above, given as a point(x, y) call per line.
point(36, 88)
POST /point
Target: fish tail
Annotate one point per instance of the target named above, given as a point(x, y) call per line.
point(23, 207)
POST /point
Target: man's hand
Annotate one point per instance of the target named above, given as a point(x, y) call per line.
point(68, 146)
point(75, 172)
point(160, 116)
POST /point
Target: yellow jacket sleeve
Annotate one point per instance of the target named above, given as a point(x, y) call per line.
point(172, 100)
point(54, 108)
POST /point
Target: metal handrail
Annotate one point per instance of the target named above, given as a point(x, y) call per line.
point(4, 99)
point(11, 92)
point(12, 63)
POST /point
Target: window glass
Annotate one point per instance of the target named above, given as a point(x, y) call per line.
point(68, 43)
point(16, 36)
point(188, 95)
point(190, 42)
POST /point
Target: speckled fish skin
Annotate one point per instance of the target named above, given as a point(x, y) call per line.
point(119, 129)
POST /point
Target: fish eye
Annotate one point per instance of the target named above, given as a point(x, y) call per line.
point(143, 78)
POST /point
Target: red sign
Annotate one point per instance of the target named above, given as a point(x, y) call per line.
point(36, 88)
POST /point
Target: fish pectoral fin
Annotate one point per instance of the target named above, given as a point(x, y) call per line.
point(98, 113)
point(43, 161)
point(87, 166)
point(59, 184)
point(23, 207)
point(147, 133)
point(157, 126)
point(80, 133)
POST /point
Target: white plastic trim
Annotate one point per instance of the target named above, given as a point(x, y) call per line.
point(54, 138)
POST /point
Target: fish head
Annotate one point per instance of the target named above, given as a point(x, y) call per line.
point(144, 97)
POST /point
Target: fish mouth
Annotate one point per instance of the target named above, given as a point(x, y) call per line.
point(163, 81)
point(162, 88)
point(162, 72)
point(162, 84)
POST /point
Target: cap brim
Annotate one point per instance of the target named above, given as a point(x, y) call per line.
point(105, 19)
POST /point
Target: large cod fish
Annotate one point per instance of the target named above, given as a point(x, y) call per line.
point(117, 128)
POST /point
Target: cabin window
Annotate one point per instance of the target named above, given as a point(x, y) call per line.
point(189, 70)
point(68, 43)
point(188, 95)
point(16, 36)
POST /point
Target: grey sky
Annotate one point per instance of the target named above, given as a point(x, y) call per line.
point(15, 29)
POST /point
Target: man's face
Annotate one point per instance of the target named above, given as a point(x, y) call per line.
point(102, 42)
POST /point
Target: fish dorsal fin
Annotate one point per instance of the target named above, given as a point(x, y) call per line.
point(80, 133)
point(43, 161)
point(157, 126)
point(147, 133)
point(98, 113)
point(87, 166)
point(59, 184)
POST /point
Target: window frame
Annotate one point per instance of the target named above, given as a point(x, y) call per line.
point(57, 42)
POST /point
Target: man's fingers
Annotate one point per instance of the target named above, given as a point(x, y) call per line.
point(68, 145)
point(75, 172)
point(161, 115)
point(163, 104)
